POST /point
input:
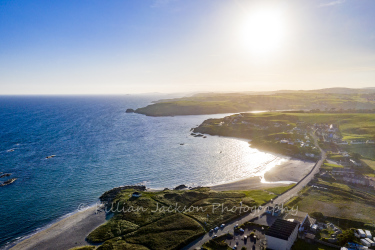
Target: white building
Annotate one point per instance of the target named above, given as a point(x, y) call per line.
point(355, 163)
point(282, 234)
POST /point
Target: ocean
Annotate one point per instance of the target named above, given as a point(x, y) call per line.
point(98, 146)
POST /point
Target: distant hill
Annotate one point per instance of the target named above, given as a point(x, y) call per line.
point(214, 103)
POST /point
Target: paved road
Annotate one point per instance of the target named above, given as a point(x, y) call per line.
point(279, 200)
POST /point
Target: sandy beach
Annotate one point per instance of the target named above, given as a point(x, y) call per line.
point(65, 234)
point(292, 170)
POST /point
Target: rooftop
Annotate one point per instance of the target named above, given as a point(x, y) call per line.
point(282, 229)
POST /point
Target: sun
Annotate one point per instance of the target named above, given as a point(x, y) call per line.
point(264, 31)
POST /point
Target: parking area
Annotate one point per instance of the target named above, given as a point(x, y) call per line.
point(251, 237)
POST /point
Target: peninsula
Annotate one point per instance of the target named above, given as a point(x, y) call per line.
point(218, 103)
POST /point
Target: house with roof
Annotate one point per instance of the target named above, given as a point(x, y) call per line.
point(302, 218)
point(282, 234)
point(342, 171)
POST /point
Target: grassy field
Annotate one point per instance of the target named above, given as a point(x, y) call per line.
point(301, 244)
point(330, 166)
point(338, 200)
point(280, 190)
point(369, 163)
point(366, 150)
point(170, 219)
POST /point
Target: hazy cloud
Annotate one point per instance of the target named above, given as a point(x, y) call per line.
point(332, 3)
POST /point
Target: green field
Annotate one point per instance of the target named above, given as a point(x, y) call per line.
point(366, 150)
point(369, 163)
point(170, 219)
point(329, 166)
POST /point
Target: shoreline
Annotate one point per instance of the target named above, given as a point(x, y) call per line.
point(78, 225)
point(66, 233)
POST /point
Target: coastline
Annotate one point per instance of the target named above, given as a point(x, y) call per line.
point(72, 231)
point(67, 233)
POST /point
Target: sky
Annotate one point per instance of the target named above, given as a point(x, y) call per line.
point(143, 46)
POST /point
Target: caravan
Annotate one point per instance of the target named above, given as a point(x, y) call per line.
point(370, 241)
point(368, 234)
point(365, 242)
point(359, 233)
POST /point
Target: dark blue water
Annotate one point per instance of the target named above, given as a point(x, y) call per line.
point(98, 146)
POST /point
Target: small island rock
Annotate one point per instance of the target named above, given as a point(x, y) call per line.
point(10, 181)
point(5, 175)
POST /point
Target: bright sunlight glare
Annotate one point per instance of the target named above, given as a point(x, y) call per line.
point(264, 31)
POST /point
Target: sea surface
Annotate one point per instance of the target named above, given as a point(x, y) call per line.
point(98, 146)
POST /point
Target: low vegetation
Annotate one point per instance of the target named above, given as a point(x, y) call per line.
point(301, 244)
point(280, 190)
point(241, 102)
point(216, 244)
point(83, 248)
point(337, 201)
point(171, 219)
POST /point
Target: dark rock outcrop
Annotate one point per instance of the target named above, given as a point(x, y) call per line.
point(129, 111)
point(108, 196)
point(180, 187)
point(10, 181)
point(5, 175)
